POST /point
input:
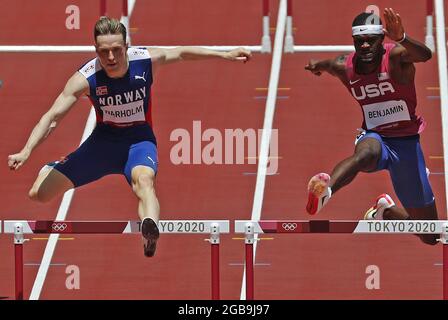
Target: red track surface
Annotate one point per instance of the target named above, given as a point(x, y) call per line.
point(221, 95)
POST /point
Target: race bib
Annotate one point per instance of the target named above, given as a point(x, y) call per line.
point(377, 114)
point(124, 113)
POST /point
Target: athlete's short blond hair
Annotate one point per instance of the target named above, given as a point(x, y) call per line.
point(106, 25)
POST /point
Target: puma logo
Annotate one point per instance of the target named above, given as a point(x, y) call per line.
point(153, 162)
point(140, 77)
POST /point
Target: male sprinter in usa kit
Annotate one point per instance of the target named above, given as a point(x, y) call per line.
point(381, 78)
point(118, 82)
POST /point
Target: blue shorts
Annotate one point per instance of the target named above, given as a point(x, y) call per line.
point(110, 151)
point(403, 158)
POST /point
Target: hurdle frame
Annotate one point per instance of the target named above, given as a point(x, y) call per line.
point(21, 227)
point(289, 38)
point(266, 45)
point(251, 228)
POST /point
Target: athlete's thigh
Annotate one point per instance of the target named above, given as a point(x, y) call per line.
point(95, 158)
point(408, 173)
point(141, 154)
point(49, 184)
point(372, 144)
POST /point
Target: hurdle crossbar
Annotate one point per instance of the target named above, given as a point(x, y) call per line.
point(250, 228)
point(323, 48)
point(21, 227)
point(81, 49)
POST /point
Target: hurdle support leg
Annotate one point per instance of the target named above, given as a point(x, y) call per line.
point(289, 39)
point(124, 16)
point(125, 20)
point(102, 8)
point(429, 38)
point(18, 260)
point(266, 38)
point(214, 242)
point(249, 243)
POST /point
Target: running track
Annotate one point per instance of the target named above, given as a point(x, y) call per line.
point(317, 123)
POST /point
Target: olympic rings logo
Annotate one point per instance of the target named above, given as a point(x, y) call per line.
point(58, 227)
point(289, 226)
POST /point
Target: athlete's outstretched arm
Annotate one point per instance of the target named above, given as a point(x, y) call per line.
point(409, 50)
point(334, 67)
point(74, 88)
point(164, 56)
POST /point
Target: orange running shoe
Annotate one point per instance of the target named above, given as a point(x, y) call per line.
point(318, 193)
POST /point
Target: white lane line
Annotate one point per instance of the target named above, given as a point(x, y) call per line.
point(267, 126)
point(443, 79)
point(61, 215)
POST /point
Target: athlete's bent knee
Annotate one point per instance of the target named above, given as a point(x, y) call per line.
point(37, 196)
point(144, 181)
point(32, 194)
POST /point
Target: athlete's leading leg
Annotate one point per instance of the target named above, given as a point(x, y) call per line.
point(366, 157)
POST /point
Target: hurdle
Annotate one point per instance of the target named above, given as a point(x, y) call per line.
point(266, 46)
point(124, 15)
point(291, 48)
point(124, 9)
point(289, 38)
point(265, 39)
point(21, 227)
point(250, 228)
point(127, 8)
